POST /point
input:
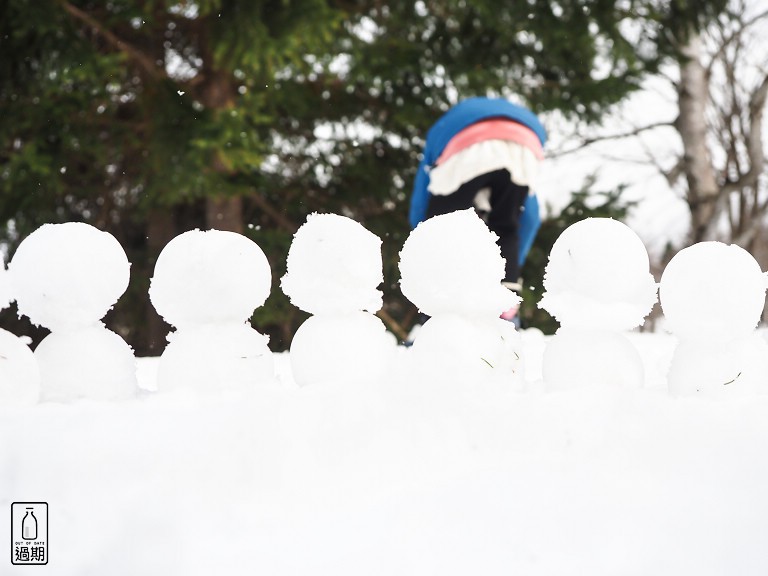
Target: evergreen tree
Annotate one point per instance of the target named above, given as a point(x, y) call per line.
point(147, 118)
point(139, 117)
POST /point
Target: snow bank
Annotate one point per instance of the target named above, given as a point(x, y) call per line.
point(423, 479)
point(438, 471)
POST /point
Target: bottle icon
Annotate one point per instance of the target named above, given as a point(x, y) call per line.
point(29, 525)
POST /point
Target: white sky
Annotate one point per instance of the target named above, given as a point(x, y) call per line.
point(662, 215)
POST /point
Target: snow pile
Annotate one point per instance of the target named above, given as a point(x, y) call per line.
point(597, 286)
point(19, 374)
point(207, 285)
point(713, 296)
point(334, 269)
point(450, 481)
point(435, 469)
point(451, 268)
point(66, 277)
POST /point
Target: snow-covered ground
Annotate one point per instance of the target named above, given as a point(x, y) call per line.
point(478, 450)
point(422, 478)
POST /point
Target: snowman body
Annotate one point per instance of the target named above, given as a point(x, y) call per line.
point(207, 284)
point(451, 268)
point(19, 374)
point(598, 287)
point(66, 277)
point(334, 270)
point(718, 350)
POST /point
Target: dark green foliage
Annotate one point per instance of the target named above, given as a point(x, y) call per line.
point(584, 204)
point(133, 115)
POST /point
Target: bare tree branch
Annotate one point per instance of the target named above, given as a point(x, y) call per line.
point(734, 37)
point(752, 227)
point(754, 141)
point(595, 139)
point(671, 175)
point(278, 217)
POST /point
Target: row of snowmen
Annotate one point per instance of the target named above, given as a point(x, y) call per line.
point(207, 284)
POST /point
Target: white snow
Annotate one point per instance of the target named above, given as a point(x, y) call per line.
point(334, 266)
point(451, 264)
point(19, 374)
point(432, 469)
point(207, 284)
point(334, 270)
point(455, 348)
point(598, 286)
point(712, 291)
point(591, 358)
point(90, 362)
point(598, 277)
point(68, 276)
point(212, 357)
point(352, 348)
point(713, 295)
point(451, 268)
point(417, 479)
point(204, 277)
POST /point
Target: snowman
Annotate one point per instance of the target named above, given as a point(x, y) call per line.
point(451, 268)
point(334, 270)
point(713, 295)
point(597, 286)
point(207, 284)
point(19, 374)
point(66, 277)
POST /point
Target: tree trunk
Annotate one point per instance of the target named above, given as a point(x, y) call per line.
point(693, 95)
point(221, 212)
point(224, 213)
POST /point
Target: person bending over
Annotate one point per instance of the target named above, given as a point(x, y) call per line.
point(484, 153)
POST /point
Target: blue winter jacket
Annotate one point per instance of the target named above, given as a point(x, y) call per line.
point(466, 113)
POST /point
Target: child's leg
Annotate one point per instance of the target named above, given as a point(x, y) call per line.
point(507, 199)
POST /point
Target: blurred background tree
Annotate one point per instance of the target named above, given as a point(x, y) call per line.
point(148, 118)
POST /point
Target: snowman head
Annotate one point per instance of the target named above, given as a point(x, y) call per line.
point(210, 277)
point(452, 264)
point(712, 291)
point(68, 276)
point(334, 267)
point(598, 277)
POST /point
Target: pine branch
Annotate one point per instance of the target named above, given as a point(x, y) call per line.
point(280, 219)
point(144, 61)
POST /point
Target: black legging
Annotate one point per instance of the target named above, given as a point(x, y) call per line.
point(507, 199)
